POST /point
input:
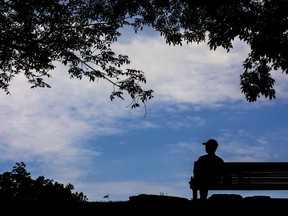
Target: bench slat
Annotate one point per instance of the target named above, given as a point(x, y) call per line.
point(256, 166)
point(250, 187)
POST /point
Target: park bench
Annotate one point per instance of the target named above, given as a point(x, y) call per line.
point(248, 176)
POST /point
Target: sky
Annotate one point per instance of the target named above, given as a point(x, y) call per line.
point(73, 133)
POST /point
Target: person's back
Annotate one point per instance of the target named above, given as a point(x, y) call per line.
point(209, 168)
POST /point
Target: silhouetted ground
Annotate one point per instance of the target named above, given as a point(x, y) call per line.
point(220, 204)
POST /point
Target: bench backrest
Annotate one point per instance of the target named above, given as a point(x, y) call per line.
point(254, 176)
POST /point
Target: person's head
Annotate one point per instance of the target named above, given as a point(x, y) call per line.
point(211, 146)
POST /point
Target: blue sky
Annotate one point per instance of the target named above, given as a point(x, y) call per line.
point(73, 133)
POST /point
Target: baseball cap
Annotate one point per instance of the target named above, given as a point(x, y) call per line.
point(211, 142)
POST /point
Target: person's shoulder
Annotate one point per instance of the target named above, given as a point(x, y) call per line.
point(217, 157)
point(202, 157)
point(220, 159)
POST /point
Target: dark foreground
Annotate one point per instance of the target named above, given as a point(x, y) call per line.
point(149, 204)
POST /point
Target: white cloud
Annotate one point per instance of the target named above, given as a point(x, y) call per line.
point(188, 73)
point(192, 73)
point(51, 126)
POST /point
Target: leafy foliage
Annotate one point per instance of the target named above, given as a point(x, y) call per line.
point(37, 33)
point(262, 24)
point(18, 185)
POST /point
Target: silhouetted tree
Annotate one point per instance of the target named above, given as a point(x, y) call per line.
point(78, 33)
point(262, 24)
point(37, 34)
point(18, 185)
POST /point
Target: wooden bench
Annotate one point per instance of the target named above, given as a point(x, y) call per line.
point(249, 176)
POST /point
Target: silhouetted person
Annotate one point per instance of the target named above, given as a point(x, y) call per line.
point(209, 168)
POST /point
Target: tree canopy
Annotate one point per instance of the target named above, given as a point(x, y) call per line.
point(35, 34)
point(18, 185)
